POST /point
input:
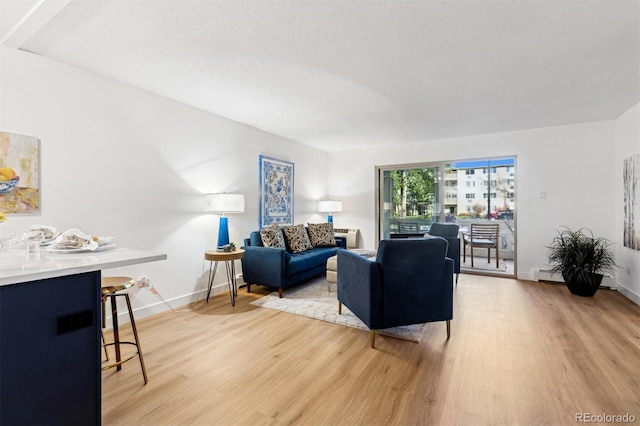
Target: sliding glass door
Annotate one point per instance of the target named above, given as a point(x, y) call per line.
point(412, 197)
point(409, 200)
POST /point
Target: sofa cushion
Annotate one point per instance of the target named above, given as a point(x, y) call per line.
point(310, 259)
point(321, 234)
point(272, 236)
point(297, 238)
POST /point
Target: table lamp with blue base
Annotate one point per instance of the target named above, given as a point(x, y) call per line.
point(330, 207)
point(224, 203)
point(223, 232)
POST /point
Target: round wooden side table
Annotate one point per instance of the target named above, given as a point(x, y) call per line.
point(229, 259)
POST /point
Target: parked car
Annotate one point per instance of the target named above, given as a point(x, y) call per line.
point(506, 215)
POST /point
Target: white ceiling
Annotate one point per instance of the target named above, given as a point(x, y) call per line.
point(337, 74)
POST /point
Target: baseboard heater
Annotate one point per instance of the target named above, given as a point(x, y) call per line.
point(546, 276)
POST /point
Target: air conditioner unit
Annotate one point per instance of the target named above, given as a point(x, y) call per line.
point(351, 234)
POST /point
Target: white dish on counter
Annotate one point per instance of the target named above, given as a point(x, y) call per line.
point(35, 230)
point(53, 249)
point(92, 244)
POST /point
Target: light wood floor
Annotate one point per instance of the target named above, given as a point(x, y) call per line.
point(520, 353)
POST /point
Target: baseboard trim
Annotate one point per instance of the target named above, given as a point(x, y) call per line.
point(635, 298)
point(160, 306)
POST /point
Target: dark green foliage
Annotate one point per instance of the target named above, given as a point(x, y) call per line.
point(578, 253)
point(410, 188)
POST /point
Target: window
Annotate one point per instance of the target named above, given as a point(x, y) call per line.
point(470, 172)
point(470, 196)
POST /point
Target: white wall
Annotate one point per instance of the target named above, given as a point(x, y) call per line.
point(574, 164)
point(627, 143)
point(122, 162)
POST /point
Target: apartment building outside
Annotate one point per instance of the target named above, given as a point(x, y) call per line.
point(483, 188)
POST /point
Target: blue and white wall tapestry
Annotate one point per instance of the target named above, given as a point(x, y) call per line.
point(276, 192)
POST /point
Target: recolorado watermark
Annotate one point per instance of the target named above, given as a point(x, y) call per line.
point(605, 418)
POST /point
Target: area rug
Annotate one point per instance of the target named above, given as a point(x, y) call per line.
point(316, 299)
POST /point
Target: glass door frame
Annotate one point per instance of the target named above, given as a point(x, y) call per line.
point(440, 192)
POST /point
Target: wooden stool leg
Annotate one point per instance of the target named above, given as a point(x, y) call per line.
point(104, 324)
point(135, 336)
point(104, 314)
point(116, 331)
point(106, 353)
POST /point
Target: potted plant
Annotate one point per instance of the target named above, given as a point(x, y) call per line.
point(582, 260)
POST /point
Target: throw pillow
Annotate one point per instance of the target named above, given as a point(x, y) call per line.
point(297, 238)
point(321, 234)
point(272, 236)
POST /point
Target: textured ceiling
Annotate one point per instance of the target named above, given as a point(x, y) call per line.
point(337, 74)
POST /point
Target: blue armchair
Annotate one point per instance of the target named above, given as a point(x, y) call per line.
point(409, 282)
point(450, 232)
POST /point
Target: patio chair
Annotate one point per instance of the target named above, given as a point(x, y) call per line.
point(482, 235)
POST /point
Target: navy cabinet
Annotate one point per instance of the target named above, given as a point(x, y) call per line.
point(50, 351)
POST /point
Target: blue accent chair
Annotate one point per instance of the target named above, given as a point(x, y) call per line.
point(451, 233)
point(409, 282)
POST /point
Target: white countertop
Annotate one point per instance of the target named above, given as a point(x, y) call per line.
point(16, 268)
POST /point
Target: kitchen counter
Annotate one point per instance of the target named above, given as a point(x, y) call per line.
point(50, 328)
point(16, 268)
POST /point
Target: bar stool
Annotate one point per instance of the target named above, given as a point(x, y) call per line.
point(110, 288)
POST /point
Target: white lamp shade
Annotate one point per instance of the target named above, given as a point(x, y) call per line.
point(329, 206)
point(224, 203)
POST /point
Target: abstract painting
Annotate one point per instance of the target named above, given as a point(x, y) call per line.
point(276, 192)
point(631, 181)
point(19, 173)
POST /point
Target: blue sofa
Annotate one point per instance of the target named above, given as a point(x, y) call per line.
point(279, 268)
